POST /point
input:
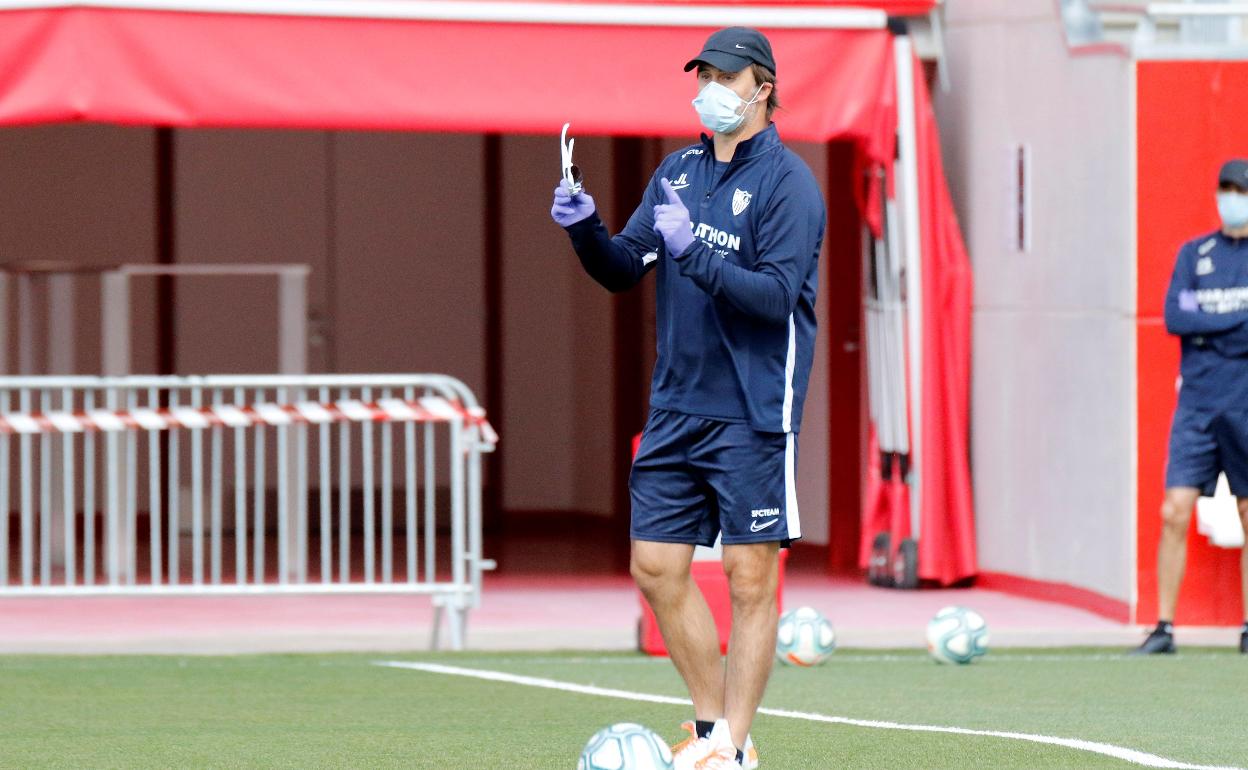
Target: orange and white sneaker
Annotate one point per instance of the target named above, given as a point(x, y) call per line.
point(720, 761)
point(692, 728)
point(715, 752)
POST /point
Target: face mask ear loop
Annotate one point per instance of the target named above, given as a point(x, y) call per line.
point(753, 99)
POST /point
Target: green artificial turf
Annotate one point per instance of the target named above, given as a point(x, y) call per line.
point(343, 711)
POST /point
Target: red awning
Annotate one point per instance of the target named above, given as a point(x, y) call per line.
point(890, 7)
point(217, 69)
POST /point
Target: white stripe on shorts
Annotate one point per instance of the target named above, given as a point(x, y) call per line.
point(791, 519)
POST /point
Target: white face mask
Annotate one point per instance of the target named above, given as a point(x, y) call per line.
point(720, 109)
point(1233, 208)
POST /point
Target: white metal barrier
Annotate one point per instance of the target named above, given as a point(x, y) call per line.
point(84, 461)
point(49, 346)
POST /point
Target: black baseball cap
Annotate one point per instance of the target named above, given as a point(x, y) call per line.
point(732, 49)
point(1233, 172)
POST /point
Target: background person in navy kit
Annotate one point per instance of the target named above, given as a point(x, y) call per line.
point(1207, 307)
point(736, 325)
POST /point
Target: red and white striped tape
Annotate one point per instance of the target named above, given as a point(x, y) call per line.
point(428, 409)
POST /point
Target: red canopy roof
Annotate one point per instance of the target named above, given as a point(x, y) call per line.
point(443, 71)
point(891, 7)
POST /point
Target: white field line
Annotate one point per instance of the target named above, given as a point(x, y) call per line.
point(1117, 752)
point(1057, 657)
point(914, 658)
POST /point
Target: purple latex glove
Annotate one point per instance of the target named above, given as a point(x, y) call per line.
point(671, 221)
point(569, 209)
point(1187, 301)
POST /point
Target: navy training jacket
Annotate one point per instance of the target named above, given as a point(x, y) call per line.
point(736, 310)
point(1214, 339)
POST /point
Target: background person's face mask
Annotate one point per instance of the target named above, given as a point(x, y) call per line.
point(1233, 208)
point(720, 109)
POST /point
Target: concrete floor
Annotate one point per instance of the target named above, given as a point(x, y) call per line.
point(517, 613)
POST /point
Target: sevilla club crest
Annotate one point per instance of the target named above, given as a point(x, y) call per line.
point(740, 199)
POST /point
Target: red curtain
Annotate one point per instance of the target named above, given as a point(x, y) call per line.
point(947, 545)
point(947, 520)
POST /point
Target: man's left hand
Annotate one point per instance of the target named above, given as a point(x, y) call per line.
point(671, 221)
point(1187, 301)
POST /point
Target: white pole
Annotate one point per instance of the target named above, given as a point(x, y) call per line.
point(25, 324)
point(908, 167)
point(115, 342)
point(292, 329)
point(61, 330)
point(60, 360)
point(5, 342)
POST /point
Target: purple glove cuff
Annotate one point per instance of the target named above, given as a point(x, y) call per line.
point(568, 209)
point(679, 241)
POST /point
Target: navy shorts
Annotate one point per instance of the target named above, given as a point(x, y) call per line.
point(1204, 444)
point(694, 477)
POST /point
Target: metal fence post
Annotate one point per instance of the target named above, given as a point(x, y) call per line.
point(25, 324)
point(5, 343)
point(292, 306)
point(115, 322)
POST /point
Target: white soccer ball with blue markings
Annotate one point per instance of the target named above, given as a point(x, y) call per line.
point(625, 746)
point(957, 635)
point(804, 638)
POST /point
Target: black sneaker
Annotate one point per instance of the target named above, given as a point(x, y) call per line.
point(1160, 641)
point(1243, 642)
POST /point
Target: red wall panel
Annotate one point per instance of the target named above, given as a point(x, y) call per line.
point(1189, 119)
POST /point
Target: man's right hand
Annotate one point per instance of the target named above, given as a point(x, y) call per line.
point(568, 209)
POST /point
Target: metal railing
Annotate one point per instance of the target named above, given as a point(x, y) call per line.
point(55, 288)
point(246, 484)
point(1145, 29)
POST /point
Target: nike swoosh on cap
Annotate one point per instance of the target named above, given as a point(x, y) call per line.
point(755, 528)
point(740, 46)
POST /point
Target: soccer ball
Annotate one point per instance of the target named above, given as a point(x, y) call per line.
point(804, 638)
point(625, 746)
point(957, 635)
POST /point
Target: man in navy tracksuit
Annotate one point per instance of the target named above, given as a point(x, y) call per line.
point(1207, 307)
point(732, 228)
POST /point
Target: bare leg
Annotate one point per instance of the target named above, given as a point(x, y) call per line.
point(662, 573)
point(1176, 514)
point(1243, 559)
point(752, 574)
